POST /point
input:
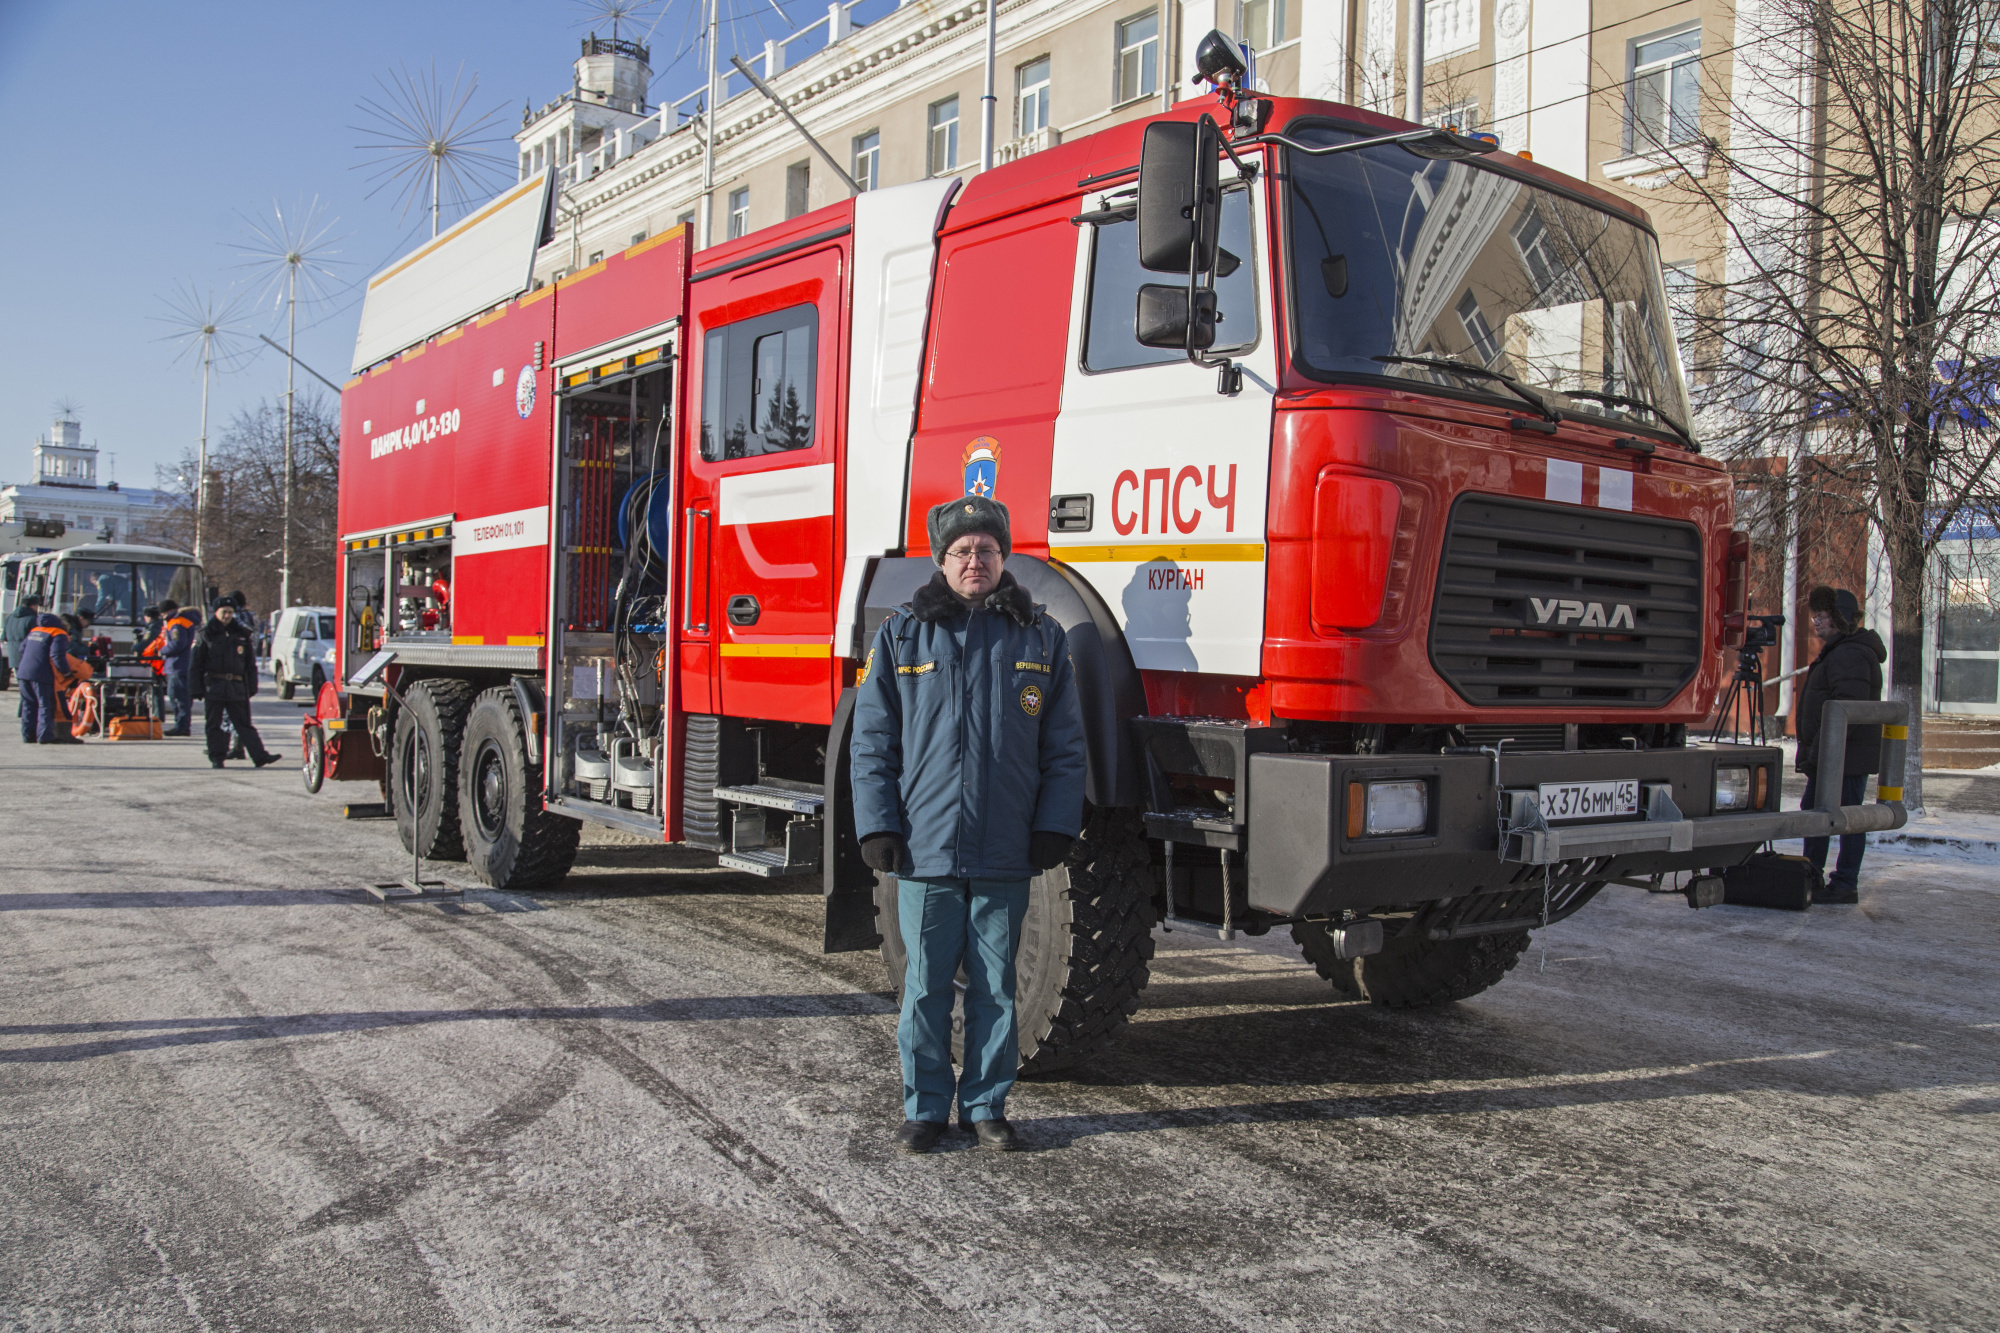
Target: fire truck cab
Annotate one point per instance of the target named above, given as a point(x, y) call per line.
point(1392, 579)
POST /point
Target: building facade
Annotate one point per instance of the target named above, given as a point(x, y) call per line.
point(65, 488)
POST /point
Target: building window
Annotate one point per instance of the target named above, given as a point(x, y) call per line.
point(739, 212)
point(637, 237)
point(944, 136)
point(1264, 23)
point(868, 159)
point(1031, 98)
point(1138, 56)
point(1663, 98)
point(798, 188)
point(596, 256)
point(527, 165)
point(1477, 331)
point(685, 220)
point(1462, 116)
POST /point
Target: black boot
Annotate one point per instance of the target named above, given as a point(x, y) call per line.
point(918, 1136)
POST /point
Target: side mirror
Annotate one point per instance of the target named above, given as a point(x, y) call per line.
point(1162, 319)
point(1180, 196)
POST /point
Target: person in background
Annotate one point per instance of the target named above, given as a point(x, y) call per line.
point(174, 647)
point(19, 621)
point(91, 646)
point(42, 649)
point(1849, 666)
point(148, 629)
point(73, 667)
point(224, 677)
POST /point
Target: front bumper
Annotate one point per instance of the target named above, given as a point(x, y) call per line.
point(1482, 836)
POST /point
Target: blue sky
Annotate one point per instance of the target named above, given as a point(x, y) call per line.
point(143, 135)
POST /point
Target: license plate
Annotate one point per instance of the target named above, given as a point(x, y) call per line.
point(1589, 800)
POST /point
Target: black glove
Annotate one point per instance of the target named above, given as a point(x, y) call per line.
point(1047, 850)
point(883, 852)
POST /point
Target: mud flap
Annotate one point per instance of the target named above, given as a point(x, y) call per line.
point(848, 882)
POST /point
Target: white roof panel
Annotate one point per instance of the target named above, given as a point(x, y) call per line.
point(477, 264)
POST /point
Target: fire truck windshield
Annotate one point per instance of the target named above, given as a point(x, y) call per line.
point(1394, 256)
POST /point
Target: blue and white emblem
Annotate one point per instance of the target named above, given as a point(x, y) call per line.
point(982, 466)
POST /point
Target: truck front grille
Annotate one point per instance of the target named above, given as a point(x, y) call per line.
point(1546, 606)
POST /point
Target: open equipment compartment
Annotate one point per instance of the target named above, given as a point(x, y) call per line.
point(613, 560)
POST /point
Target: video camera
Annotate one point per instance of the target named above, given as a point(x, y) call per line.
point(1761, 632)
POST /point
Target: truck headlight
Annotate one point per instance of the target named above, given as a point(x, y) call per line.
point(1732, 789)
point(1398, 808)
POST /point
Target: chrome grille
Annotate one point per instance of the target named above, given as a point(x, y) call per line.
point(1544, 605)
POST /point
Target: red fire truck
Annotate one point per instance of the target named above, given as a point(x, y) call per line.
point(1350, 454)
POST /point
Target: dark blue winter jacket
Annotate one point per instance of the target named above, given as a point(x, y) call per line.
point(965, 757)
point(44, 651)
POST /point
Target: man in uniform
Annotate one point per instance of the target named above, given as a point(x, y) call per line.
point(175, 647)
point(224, 676)
point(968, 778)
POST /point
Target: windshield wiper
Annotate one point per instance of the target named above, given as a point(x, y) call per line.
point(1621, 400)
point(1528, 395)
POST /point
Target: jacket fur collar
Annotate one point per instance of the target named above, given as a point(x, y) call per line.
point(936, 601)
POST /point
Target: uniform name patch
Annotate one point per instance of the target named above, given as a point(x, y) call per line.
point(917, 670)
point(1031, 700)
point(1042, 667)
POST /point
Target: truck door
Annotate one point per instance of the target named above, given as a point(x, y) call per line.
point(1166, 478)
point(764, 353)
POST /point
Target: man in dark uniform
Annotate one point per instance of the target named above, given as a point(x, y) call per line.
point(968, 778)
point(44, 652)
point(1849, 666)
point(175, 649)
point(224, 676)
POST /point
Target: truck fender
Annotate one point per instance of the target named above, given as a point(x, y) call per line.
point(1109, 690)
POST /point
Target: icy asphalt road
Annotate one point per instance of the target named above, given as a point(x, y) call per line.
point(237, 1095)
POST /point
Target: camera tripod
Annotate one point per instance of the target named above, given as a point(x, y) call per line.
point(1746, 685)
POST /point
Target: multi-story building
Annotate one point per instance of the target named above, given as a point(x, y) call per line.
point(65, 489)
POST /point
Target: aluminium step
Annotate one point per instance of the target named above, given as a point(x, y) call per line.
point(773, 798)
point(768, 862)
point(1199, 826)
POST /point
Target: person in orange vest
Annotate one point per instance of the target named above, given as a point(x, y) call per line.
point(45, 658)
point(172, 650)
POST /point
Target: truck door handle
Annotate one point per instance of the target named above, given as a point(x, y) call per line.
point(743, 609)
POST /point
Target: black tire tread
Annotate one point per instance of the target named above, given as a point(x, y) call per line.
point(1100, 911)
point(452, 700)
point(548, 842)
point(1109, 923)
point(1414, 974)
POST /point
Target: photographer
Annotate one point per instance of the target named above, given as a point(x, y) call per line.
point(1849, 666)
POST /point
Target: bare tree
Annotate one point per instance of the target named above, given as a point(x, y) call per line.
point(1852, 338)
point(246, 501)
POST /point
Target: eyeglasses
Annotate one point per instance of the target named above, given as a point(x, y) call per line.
point(966, 555)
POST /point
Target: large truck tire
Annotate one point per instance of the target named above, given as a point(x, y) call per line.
point(511, 842)
point(1413, 974)
point(287, 687)
point(1085, 946)
point(430, 730)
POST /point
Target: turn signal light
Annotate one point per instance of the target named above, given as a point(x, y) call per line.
point(1357, 809)
point(1761, 786)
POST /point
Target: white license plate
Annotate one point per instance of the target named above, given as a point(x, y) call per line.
point(1590, 800)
